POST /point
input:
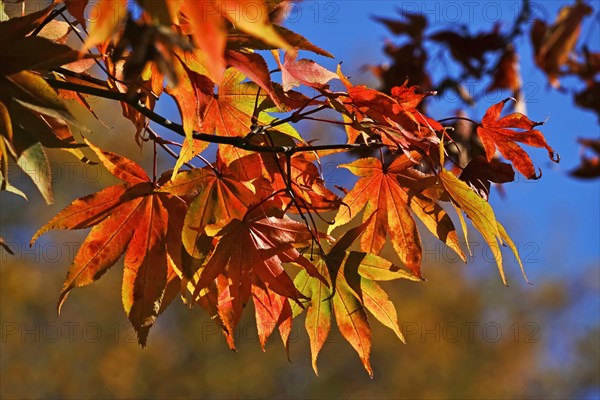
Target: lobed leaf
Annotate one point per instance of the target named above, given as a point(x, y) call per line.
point(352, 322)
point(500, 132)
point(388, 191)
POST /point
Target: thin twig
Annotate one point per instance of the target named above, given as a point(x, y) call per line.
point(290, 191)
point(83, 77)
point(48, 19)
point(329, 121)
point(458, 118)
point(163, 143)
point(154, 162)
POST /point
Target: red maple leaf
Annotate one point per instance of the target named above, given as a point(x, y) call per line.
point(501, 133)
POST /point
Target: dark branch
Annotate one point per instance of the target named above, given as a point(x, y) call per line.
point(238, 142)
point(48, 19)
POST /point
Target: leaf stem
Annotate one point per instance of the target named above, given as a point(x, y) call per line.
point(154, 162)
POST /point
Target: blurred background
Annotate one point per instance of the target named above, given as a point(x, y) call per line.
point(468, 335)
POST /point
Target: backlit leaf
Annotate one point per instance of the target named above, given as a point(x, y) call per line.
point(130, 219)
point(480, 213)
point(220, 197)
point(352, 322)
point(377, 302)
point(501, 133)
point(387, 191)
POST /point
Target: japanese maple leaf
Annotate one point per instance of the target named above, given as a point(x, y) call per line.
point(470, 50)
point(224, 300)
point(395, 117)
point(130, 218)
point(209, 34)
point(413, 24)
point(507, 74)
point(479, 173)
point(215, 299)
point(390, 191)
point(191, 102)
point(150, 81)
point(77, 9)
point(17, 27)
point(254, 249)
point(501, 133)
point(19, 50)
point(33, 116)
point(255, 68)
point(590, 164)
point(356, 291)
point(229, 112)
point(219, 194)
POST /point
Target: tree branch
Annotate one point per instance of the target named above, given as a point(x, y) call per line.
point(239, 142)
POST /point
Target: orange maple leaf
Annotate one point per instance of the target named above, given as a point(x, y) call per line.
point(217, 196)
point(130, 218)
point(306, 181)
point(254, 249)
point(355, 292)
point(396, 117)
point(500, 132)
point(390, 192)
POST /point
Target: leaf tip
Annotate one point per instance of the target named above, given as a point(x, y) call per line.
point(263, 346)
point(36, 236)
point(142, 334)
point(230, 341)
point(535, 176)
point(315, 368)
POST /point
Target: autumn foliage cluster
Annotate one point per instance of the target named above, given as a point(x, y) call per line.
point(244, 227)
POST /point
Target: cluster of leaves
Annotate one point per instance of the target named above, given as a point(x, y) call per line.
point(243, 227)
point(490, 57)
